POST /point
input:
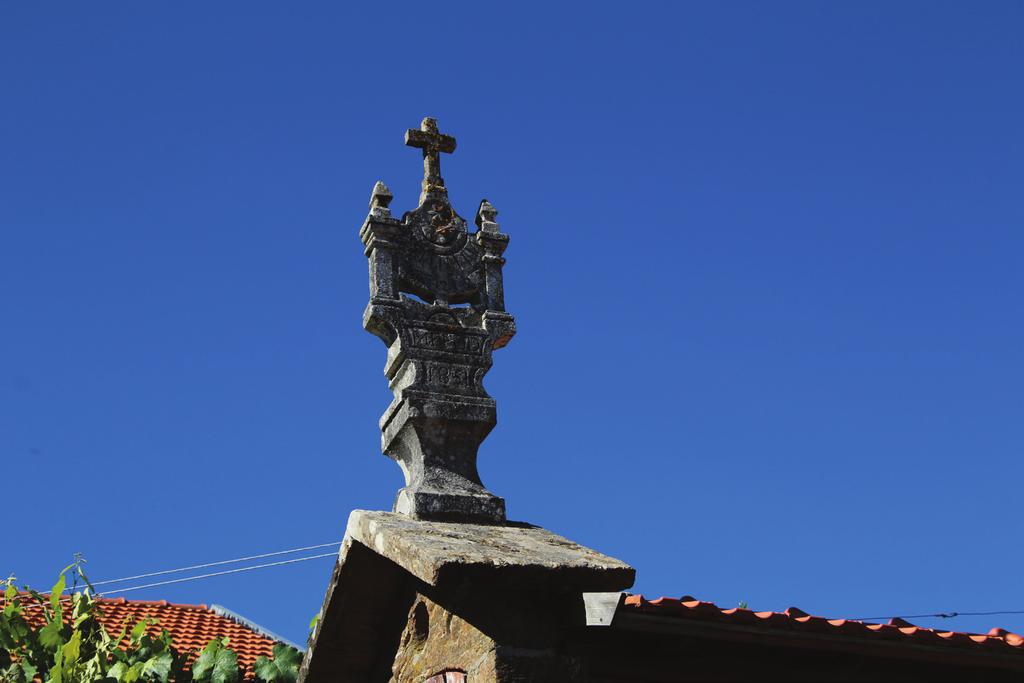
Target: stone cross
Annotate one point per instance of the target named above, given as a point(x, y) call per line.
point(432, 143)
point(437, 300)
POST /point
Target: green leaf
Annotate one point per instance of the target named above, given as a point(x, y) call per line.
point(12, 605)
point(72, 649)
point(159, 667)
point(284, 668)
point(7, 640)
point(14, 630)
point(133, 673)
point(203, 665)
point(28, 671)
point(12, 674)
point(165, 638)
point(265, 669)
point(50, 636)
point(313, 621)
point(216, 664)
point(138, 631)
point(227, 670)
point(123, 631)
point(117, 671)
point(57, 591)
point(11, 592)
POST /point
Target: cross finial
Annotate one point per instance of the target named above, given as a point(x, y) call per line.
point(432, 143)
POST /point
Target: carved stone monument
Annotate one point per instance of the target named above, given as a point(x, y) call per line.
point(444, 585)
point(437, 301)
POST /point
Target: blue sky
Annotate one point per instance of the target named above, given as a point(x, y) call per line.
point(765, 261)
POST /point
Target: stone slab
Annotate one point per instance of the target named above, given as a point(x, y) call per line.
point(513, 556)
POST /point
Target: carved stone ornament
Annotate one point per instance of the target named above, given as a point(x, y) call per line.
point(436, 300)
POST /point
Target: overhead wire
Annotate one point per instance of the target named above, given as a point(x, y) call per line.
point(215, 564)
point(205, 565)
point(220, 573)
point(940, 615)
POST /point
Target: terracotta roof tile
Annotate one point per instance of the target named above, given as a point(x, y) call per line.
point(191, 626)
point(794, 618)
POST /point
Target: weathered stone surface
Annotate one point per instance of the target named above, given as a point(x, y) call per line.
point(510, 557)
point(436, 640)
point(437, 300)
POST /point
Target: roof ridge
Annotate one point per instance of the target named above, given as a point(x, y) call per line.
point(249, 623)
point(161, 603)
point(126, 601)
point(687, 606)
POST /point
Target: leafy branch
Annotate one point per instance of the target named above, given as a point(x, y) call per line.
point(67, 643)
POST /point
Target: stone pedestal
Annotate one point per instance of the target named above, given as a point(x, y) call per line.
point(441, 412)
point(411, 599)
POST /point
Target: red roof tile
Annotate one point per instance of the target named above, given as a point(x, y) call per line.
point(795, 619)
point(191, 626)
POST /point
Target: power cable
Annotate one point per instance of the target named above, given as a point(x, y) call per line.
point(221, 573)
point(214, 564)
point(939, 615)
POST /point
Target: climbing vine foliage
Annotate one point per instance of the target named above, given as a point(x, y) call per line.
point(70, 645)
